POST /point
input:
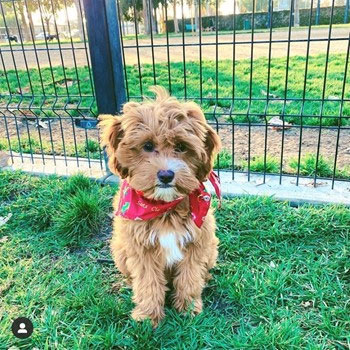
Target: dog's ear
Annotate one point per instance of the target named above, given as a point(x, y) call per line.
point(212, 146)
point(212, 142)
point(111, 136)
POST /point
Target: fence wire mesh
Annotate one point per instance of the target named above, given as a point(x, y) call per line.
point(276, 92)
point(271, 77)
point(47, 98)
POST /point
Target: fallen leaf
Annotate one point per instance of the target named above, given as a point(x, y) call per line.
point(4, 239)
point(117, 286)
point(318, 184)
point(272, 264)
point(270, 95)
point(307, 304)
point(41, 124)
point(277, 124)
point(4, 219)
point(63, 82)
point(23, 90)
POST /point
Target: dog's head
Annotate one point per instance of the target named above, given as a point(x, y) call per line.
point(165, 148)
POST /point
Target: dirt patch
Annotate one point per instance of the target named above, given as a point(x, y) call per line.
point(309, 142)
point(57, 135)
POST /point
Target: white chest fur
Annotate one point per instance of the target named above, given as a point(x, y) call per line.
point(170, 244)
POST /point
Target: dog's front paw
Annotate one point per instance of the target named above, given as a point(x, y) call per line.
point(194, 305)
point(138, 314)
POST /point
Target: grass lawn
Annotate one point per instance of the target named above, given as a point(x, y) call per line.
point(282, 279)
point(80, 82)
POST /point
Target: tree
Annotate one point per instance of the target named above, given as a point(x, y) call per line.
point(296, 13)
point(79, 18)
point(247, 6)
point(144, 9)
point(18, 10)
point(176, 22)
point(130, 8)
point(48, 9)
point(204, 5)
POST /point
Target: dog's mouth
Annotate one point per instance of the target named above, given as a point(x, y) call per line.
point(165, 186)
point(165, 192)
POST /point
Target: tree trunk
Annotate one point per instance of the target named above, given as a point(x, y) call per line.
point(191, 8)
point(146, 17)
point(176, 22)
point(196, 14)
point(79, 19)
point(47, 21)
point(154, 21)
point(31, 24)
point(25, 33)
point(296, 13)
point(162, 19)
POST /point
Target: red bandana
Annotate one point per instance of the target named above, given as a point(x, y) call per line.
point(132, 205)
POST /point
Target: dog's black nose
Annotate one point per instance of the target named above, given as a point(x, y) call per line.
point(165, 176)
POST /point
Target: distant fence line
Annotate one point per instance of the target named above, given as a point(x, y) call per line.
point(261, 19)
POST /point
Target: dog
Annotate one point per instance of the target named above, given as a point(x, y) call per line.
point(164, 228)
point(13, 38)
point(51, 37)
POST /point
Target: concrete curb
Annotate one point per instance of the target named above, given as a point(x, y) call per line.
point(287, 191)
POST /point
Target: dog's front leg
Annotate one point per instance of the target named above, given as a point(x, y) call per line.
point(189, 281)
point(149, 286)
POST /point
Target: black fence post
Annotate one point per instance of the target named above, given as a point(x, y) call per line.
point(106, 55)
point(105, 51)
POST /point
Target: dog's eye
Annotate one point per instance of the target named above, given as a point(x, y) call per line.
point(148, 146)
point(180, 147)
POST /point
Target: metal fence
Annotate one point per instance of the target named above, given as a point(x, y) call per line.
point(277, 94)
point(46, 85)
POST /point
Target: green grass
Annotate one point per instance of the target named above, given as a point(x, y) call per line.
point(324, 167)
point(272, 166)
point(295, 87)
point(282, 279)
point(89, 148)
point(316, 68)
point(259, 164)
